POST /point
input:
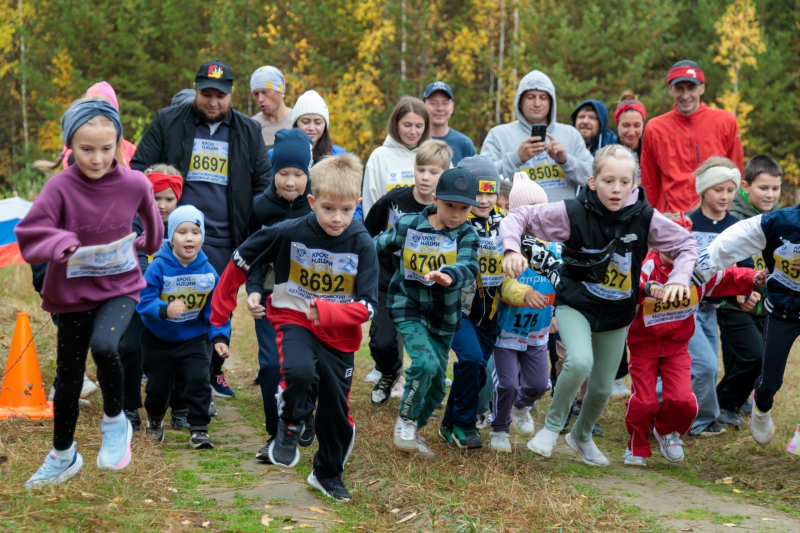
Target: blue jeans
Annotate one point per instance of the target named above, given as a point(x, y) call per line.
point(269, 371)
point(704, 349)
point(473, 347)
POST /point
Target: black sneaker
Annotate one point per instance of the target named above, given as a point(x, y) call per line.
point(263, 453)
point(155, 428)
point(332, 487)
point(730, 418)
point(178, 419)
point(283, 451)
point(133, 418)
point(446, 434)
point(713, 429)
point(382, 390)
point(201, 441)
point(309, 433)
point(467, 437)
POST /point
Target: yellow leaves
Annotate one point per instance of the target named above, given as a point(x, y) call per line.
point(740, 36)
point(464, 50)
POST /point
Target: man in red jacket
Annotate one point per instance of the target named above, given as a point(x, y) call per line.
point(676, 143)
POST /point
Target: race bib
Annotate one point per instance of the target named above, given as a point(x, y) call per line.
point(316, 273)
point(209, 162)
point(617, 282)
point(521, 327)
point(545, 171)
point(759, 263)
point(490, 261)
point(426, 252)
point(704, 238)
point(783, 272)
point(103, 259)
point(657, 312)
point(399, 178)
point(193, 289)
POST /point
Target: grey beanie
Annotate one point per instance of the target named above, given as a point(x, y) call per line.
point(484, 170)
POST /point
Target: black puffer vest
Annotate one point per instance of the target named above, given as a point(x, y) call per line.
point(609, 303)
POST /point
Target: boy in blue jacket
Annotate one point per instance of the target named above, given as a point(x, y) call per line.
point(176, 309)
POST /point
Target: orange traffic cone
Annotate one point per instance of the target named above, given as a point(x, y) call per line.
point(22, 393)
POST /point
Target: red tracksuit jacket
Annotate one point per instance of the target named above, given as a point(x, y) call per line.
point(675, 321)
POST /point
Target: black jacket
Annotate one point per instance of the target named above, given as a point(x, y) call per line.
point(169, 140)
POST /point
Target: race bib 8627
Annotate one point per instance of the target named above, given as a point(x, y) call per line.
point(617, 282)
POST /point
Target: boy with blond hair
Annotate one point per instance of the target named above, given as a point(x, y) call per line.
point(326, 274)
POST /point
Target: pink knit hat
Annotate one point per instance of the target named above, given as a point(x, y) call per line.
point(105, 89)
point(525, 191)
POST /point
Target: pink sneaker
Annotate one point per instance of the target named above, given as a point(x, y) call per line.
point(794, 445)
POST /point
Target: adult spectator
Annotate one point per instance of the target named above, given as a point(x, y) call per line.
point(310, 115)
point(392, 165)
point(677, 142)
point(558, 163)
point(590, 118)
point(439, 102)
point(268, 87)
point(630, 117)
point(222, 156)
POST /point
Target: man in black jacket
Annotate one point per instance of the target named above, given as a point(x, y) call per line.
point(224, 164)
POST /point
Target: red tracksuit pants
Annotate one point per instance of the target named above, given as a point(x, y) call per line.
point(678, 408)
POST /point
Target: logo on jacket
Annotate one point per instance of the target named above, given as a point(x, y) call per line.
point(348, 373)
point(629, 238)
point(214, 71)
point(239, 261)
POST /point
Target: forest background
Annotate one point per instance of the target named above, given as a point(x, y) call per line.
point(363, 55)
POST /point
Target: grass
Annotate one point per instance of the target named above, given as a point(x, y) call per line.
point(713, 517)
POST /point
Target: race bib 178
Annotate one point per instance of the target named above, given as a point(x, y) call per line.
point(316, 273)
point(425, 252)
point(103, 259)
point(209, 162)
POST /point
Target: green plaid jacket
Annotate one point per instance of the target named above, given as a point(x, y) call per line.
point(436, 307)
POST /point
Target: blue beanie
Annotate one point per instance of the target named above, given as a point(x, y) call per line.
point(185, 213)
point(293, 148)
point(79, 114)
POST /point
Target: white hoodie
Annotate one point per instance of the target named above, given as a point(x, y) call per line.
point(389, 166)
point(559, 181)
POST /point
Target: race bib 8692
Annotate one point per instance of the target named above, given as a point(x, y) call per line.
point(316, 273)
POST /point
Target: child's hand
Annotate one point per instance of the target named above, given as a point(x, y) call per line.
point(674, 292)
point(535, 299)
point(553, 326)
point(748, 302)
point(69, 251)
point(176, 308)
point(514, 263)
point(222, 350)
point(656, 292)
point(312, 313)
point(439, 277)
point(796, 264)
point(761, 276)
point(254, 305)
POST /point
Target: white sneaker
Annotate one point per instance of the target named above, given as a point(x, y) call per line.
point(423, 451)
point(499, 441)
point(543, 442)
point(522, 421)
point(589, 451)
point(405, 435)
point(448, 382)
point(373, 377)
point(483, 420)
point(399, 388)
point(89, 387)
point(671, 446)
point(761, 426)
point(629, 459)
point(619, 389)
point(794, 445)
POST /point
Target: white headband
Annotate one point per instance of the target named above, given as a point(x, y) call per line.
point(716, 175)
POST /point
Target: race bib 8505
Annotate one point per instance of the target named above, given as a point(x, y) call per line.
point(545, 171)
point(316, 273)
point(426, 252)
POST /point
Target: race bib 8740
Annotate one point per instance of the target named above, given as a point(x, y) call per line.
point(209, 162)
point(316, 273)
point(425, 252)
point(617, 282)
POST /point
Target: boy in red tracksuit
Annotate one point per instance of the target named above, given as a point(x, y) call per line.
point(658, 340)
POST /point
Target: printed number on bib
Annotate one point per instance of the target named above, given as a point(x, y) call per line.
point(759, 263)
point(103, 259)
point(316, 273)
point(399, 178)
point(425, 252)
point(490, 261)
point(657, 312)
point(193, 289)
point(209, 162)
point(617, 282)
point(783, 272)
point(545, 171)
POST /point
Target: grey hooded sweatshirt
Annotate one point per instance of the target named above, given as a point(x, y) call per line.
point(559, 181)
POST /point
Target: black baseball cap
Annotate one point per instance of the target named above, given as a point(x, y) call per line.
point(458, 185)
point(437, 86)
point(214, 75)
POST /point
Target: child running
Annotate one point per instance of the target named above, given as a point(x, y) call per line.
point(474, 340)
point(659, 340)
point(776, 235)
point(605, 231)
point(520, 373)
point(439, 258)
point(81, 223)
point(175, 310)
point(432, 158)
point(326, 279)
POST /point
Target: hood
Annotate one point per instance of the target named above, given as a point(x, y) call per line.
point(742, 208)
point(166, 254)
point(538, 80)
point(606, 136)
point(270, 207)
point(389, 142)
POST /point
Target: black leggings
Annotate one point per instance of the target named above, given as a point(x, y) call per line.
point(779, 335)
point(99, 329)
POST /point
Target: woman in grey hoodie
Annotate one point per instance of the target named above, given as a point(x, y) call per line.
point(561, 163)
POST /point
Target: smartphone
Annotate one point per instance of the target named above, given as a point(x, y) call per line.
point(539, 130)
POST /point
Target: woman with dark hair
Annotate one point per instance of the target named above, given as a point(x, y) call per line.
point(310, 115)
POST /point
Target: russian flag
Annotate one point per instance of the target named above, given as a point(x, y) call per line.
point(12, 210)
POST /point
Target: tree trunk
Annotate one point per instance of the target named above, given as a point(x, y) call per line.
point(500, 62)
point(403, 43)
point(516, 51)
point(23, 91)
